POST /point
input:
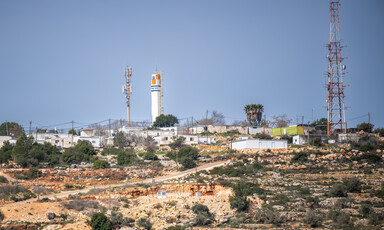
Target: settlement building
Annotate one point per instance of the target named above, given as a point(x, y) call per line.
point(259, 144)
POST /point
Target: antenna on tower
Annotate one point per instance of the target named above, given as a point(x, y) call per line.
point(335, 86)
point(127, 90)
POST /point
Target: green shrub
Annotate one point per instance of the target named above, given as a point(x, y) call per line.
point(375, 218)
point(203, 216)
point(337, 190)
point(241, 204)
point(99, 221)
point(365, 210)
point(268, 215)
point(188, 163)
point(313, 201)
point(299, 157)
point(150, 156)
point(144, 223)
point(1, 216)
point(3, 179)
point(100, 164)
point(313, 219)
point(371, 158)
point(281, 198)
point(126, 157)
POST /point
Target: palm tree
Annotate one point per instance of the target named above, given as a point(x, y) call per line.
point(254, 113)
point(260, 110)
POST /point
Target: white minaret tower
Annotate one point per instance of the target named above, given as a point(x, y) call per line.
point(156, 94)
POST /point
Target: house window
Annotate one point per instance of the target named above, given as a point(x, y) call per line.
point(191, 139)
point(166, 138)
point(93, 142)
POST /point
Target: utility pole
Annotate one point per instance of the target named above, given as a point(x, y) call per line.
point(369, 121)
point(109, 127)
point(72, 135)
point(206, 123)
point(6, 125)
point(30, 127)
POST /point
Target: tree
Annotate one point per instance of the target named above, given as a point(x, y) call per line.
point(150, 144)
point(126, 157)
point(21, 151)
point(120, 140)
point(320, 124)
point(81, 152)
point(6, 152)
point(366, 127)
point(72, 131)
point(380, 131)
point(165, 121)
point(188, 163)
point(11, 129)
point(216, 118)
point(99, 221)
point(254, 114)
point(281, 121)
point(177, 142)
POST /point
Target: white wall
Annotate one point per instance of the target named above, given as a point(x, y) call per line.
point(260, 144)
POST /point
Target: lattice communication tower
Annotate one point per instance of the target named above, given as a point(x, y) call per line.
point(335, 103)
point(127, 90)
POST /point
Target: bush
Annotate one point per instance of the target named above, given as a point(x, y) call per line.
point(365, 210)
point(300, 157)
point(338, 190)
point(313, 219)
point(79, 205)
point(150, 156)
point(371, 158)
point(3, 179)
point(100, 164)
point(313, 201)
point(281, 199)
point(99, 221)
point(126, 157)
point(51, 215)
point(144, 223)
point(342, 203)
point(241, 204)
point(188, 163)
point(242, 188)
point(267, 215)
point(1, 216)
point(375, 218)
point(203, 216)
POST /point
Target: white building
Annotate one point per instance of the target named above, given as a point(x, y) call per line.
point(260, 144)
point(299, 140)
point(4, 139)
point(206, 140)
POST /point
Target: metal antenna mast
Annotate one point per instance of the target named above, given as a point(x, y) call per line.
point(335, 86)
point(127, 90)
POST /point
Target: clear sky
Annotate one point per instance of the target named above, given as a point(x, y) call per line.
point(64, 60)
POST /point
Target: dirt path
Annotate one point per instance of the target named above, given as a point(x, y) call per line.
point(207, 167)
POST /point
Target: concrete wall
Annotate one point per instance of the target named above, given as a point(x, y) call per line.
point(218, 129)
point(261, 130)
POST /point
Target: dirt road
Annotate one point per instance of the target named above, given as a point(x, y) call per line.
point(207, 167)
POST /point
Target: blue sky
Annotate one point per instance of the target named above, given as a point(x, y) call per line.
point(64, 60)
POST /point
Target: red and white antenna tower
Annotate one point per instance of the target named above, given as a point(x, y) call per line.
point(335, 86)
point(127, 90)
